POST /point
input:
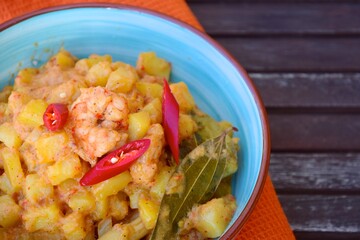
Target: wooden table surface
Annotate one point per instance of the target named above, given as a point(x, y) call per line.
point(304, 57)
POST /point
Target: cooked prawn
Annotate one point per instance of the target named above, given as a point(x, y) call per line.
point(99, 122)
point(144, 169)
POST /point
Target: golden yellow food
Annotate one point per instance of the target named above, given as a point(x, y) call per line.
point(110, 103)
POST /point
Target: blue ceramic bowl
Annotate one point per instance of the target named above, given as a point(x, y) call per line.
point(220, 85)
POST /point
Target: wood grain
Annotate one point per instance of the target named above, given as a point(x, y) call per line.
point(271, 1)
point(283, 54)
point(326, 235)
point(322, 213)
point(327, 90)
point(304, 57)
point(315, 172)
point(279, 18)
point(314, 132)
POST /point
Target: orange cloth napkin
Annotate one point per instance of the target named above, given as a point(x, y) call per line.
point(267, 221)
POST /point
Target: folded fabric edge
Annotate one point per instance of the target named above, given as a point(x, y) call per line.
point(177, 9)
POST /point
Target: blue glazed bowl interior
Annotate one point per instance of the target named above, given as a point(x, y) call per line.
point(217, 85)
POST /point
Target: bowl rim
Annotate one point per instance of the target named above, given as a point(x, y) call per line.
point(265, 160)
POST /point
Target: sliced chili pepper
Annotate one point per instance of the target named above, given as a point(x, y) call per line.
point(115, 162)
point(55, 116)
point(170, 114)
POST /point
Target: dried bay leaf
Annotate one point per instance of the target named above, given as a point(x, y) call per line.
point(194, 182)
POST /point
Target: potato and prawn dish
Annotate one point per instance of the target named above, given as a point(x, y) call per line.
point(98, 149)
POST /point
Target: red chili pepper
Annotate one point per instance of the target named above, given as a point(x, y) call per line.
point(170, 114)
point(115, 162)
point(55, 116)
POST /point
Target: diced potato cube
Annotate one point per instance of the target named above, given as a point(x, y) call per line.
point(118, 206)
point(183, 96)
point(139, 124)
point(34, 135)
point(16, 102)
point(49, 146)
point(5, 185)
point(25, 76)
point(36, 188)
point(12, 166)
point(82, 66)
point(101, 209)
point(135, 101)
point(27, 149)
point(27, 154)
point(67, 167)
point(148, 210)
point(9, 136)
point(213, 217)
point(187, 126)
point(150, 90)
point(94, 59)
point(154, 109)
point(9, 211)
point(122, 80)
point(67, 188)
point(42, 217)
point(64, 59)
point(112, 185)
point(153, 65)
point(66, 92)
point(99, 74)
point(82, 201)
point(32, 113)
point(118, 64)
point(161, 180)
point(73, 226)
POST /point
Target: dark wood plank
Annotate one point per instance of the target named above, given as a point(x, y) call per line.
point(309, 90)
point(304, 59)
point(279, 18)
point(314, 172)
point(326, 235)
point(314, 132)
point(295, 54)
point(271, 1)
point(322, 213)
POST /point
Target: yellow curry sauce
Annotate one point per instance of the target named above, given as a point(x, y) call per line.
point(110, 104)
